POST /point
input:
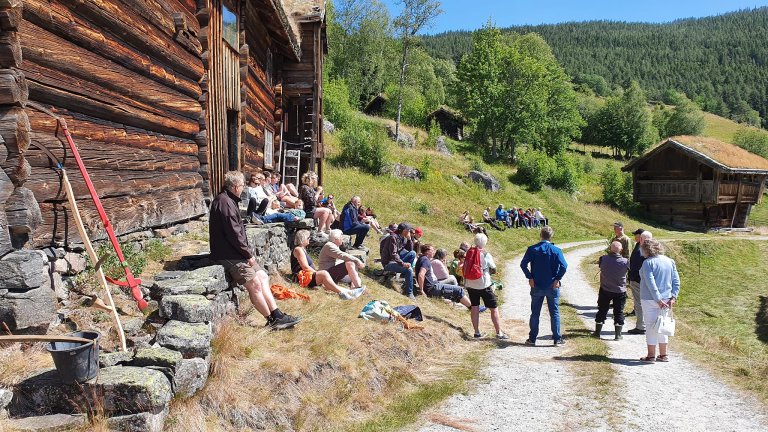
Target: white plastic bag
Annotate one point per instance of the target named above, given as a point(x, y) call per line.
point(665, 323)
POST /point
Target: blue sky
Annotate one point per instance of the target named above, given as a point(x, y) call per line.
point(473, 14)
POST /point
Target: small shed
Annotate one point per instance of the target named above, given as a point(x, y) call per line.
point(695, 182)
point(451, 122)
point(375, 106)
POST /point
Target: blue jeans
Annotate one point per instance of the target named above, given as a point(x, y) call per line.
point(408, 256)
point(406, 272)
point(360, 230)
point(278, 217)
point(537, 300)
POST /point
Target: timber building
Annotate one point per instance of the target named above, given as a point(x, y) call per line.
point(450, 122)
point(694, 182)
point(162, 98)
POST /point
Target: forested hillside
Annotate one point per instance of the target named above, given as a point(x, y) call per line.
point(721, 62)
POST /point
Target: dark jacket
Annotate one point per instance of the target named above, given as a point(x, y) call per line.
point(348, 217)
point(226, 229)
point(635, 262)
point(613, 273)
point(388, 249)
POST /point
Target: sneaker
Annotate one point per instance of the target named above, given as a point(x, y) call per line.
point(284, 322)
point(357, 292)
point(478, 335)
point(502, 336)
point(560, 341)
point(529, 342)
point(482, 309)
point(346, 294)
point(412, 297)
point(362, 248)
point(636, 331)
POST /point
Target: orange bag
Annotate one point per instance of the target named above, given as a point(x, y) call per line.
point(305, 277)
point(283, 293)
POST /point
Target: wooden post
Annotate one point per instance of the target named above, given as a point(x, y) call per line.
point(738, 201)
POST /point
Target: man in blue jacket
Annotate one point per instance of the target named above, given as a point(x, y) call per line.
point(350, 224)
point(547, 268)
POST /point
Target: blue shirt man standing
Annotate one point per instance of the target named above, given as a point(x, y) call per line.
point(547, 268)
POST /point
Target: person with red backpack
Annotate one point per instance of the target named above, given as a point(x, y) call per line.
point(478, 267)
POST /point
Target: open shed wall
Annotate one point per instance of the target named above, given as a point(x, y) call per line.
point(125, 75)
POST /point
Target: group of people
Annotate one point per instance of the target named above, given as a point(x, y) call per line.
point(501, 219)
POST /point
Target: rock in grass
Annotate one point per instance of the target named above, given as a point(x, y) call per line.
point(190, 377)
point(130, 390)
point(488, 181)
point(188, 308)
point(152, 421)
point(52, 422)
point(190, 339)
point(23, 270)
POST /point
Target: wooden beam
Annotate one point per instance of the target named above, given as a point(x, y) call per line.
point(13, 87)
point(17, 168)
point(14, 128)
point(10, 50)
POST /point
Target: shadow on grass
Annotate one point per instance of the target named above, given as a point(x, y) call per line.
point(761, 319)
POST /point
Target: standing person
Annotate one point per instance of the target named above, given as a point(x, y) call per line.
point(350, 224)
point(478, 267)
point(330, 253)
point(428, 284)
point(310, 193)
point(392, 261)
point(229, 248)
point(547, 268)
point(636, 260)
point(659, 287)
point(613, 289)
point(626, 247)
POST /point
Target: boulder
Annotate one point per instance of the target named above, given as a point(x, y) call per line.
point(23, 270)
point(442, 147)
point(158, 356)
point(6, 396)
point(458, 181)
point(328, 127)
point(488, 181)
point(152, 421)
point(191, 339)
point(130, 390)
point(190, 377)
point(31, 310)
point(190, 308)
point(403, 138)
point(114, 358)
point(203, 280)
point(405, 172)
point(362, 255)
point(133, 326)
point(222, 304)
point(76, 263)
point(48, 423)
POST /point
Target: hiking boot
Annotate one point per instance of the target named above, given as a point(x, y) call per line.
point(478, 335)
point(598, 329)
point(618, 335)
point(284, 322)
point(529, 342)
point(560, 341)
point(636, 331)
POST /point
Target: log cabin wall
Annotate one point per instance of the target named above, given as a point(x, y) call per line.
point(125, 75)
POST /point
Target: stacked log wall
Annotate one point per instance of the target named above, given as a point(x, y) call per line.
point(126, 76)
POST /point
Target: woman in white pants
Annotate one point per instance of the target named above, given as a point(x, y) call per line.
point(659, 287)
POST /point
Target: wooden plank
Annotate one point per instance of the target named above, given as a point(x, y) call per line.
point(127, 213)
point(22, 212)
point(13, 87)
point(46, 183)
point(10, 18)
point(10, 50)
point(49, 59)
point(14, 128)
point(59, 20)
point(46, 94)
point(87, 128)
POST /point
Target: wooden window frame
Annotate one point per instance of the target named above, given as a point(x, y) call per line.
point(269, 148)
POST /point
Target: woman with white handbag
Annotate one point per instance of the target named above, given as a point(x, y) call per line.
point(659, 287)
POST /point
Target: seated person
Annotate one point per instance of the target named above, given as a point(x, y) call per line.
point(539, 216)
point(391, 260)
point(256, 196)
point(489, 220)
point(429, 285)
point(440, 270)
point(310, 194)
point(501, 215)
point(350, 224)
point(513, 218)
point(330, 254)
point(307, 276)
point(523, 220)
point(406, 248)
point(416, 236)
point(367, 216)
point(282, 192)
point(273, 214)
point(456, 267)
point(469, 223)
point(531, 220)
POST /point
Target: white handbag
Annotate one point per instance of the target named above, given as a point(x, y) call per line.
point(665, 323)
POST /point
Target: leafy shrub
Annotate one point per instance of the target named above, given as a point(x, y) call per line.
point(136, 259)
point(433, 132)
point(588, 164)
point(535, 168)
point(425, 168)
point(477, 165)
point(422, 208)
point(156, 250)
point(363, 145)
point(566, 174)
point(753, 140)
point(617, 187)
point(336, 103)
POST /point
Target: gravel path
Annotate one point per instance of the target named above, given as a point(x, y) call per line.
point(526, 388)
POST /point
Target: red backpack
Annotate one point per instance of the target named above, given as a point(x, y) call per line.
point(473, 268)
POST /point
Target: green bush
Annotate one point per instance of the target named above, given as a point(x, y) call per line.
point(535, 168)
point(588, 164)
point(422, 208)
point(753, 140)
point(135, 258)
point(433, 132)
point(566, 175)
point(617, 187)
point(363, 145)
point(425, 168)
point(336, 104)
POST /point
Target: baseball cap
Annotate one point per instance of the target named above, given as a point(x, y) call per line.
point(404, 226)
point(419, 231)
point(638, 231)
point(618, 224)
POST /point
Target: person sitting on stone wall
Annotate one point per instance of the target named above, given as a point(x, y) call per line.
point(330, 254)
point(307, 276)
point(350, 224)
point(287, 194)
point(229, 248)
point(310, 193)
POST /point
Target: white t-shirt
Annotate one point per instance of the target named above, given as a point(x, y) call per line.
point(486, 261)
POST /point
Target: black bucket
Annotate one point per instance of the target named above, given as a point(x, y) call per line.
point(76, 362)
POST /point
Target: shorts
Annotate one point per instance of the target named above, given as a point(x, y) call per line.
point(450, 292)
point(487, 294)
point(338, 272)
point(239, 270)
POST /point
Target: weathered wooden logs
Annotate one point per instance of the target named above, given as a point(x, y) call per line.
point(14, 128)
point(13, 87)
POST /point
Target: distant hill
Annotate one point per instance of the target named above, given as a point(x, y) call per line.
point(721, 60)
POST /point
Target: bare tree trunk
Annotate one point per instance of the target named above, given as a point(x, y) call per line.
point(403, 65)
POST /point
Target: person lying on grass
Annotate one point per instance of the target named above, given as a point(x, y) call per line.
point(307, 276)
point(428, 284)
